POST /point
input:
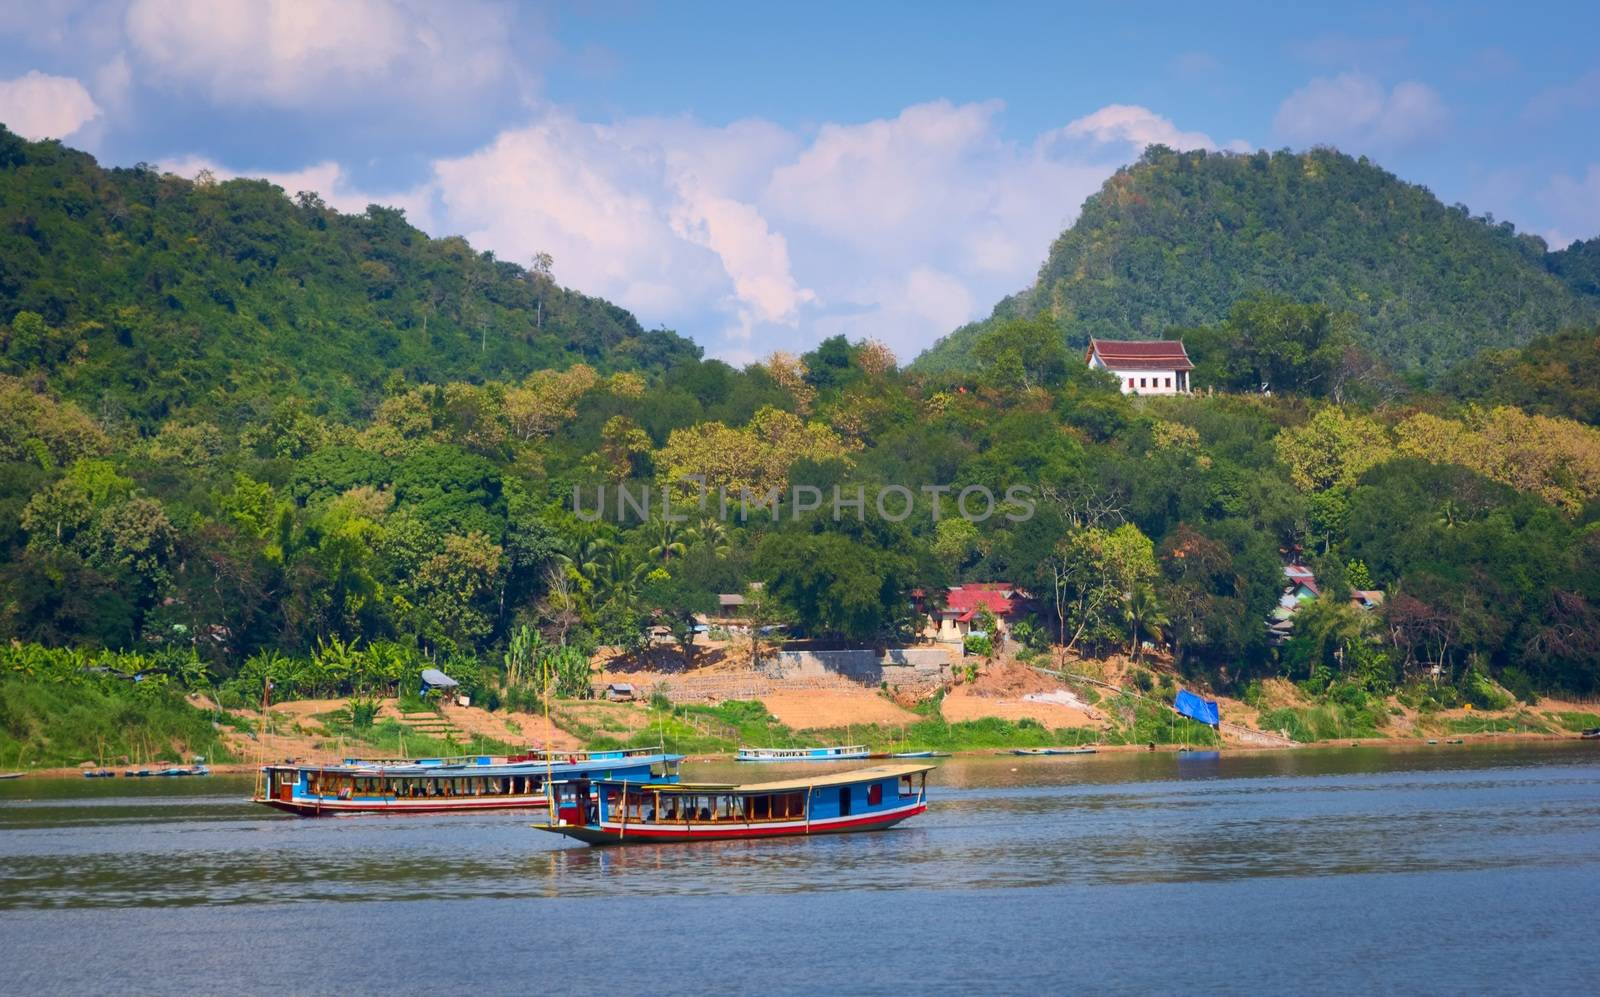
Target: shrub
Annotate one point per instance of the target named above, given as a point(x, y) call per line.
point(1520, 684)
point(1479, 690)
point(363, 711)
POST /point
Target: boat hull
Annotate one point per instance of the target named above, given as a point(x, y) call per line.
point(643, 834)
point(336, 808)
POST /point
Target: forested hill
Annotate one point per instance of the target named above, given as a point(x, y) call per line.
point(140, 294)
point(1178, 237)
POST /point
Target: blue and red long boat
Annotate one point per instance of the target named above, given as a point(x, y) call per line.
point(616, 812)
point(449, 785)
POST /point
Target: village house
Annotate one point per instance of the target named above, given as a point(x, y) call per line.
point(1301, 586)
point(732, 613)
point(964, 603)
point(1367, 599)
point(1143, 367)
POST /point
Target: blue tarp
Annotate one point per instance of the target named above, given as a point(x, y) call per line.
point(1203, 710)
point(433, 678)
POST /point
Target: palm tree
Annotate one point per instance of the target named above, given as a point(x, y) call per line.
point(712, 535)
point(1450, 515)
point(1146, 616)
point(670, 543)
point(620, 574)
point(587, 554)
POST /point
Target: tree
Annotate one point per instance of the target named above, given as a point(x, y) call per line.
point(834, 585)
point(624, 449)
point(546, 400)
point(1023, 354)
point(1333, 449)
point(955, 541)
point(455, 585)
point(1146, 616)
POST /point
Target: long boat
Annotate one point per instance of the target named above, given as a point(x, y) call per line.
point(618, 812)
point(448, 785)
point(837, 753)
point(1085, 750)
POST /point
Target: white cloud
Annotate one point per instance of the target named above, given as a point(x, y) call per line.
point(752, 237)
point(113, 80)
point(898, 228)
point(307, 54)
point(37, 106)
point(327, 179)
point(592, 198)
point(1354, 111)
point(754, 257)
point(884, 184)
point(1136, 125)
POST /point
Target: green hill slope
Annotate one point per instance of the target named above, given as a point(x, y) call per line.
point(159, 294)
point(1177, 238)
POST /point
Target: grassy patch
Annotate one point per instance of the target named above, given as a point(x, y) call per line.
point(1519, 724)
point(389, 737)
point(1327, 722)
point(48, 724)
point(1569, 720)
point(692, 729)
point(1143, 721)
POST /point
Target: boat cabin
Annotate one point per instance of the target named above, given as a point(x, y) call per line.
point(612, 811)
point(835, 753)
point(437, 785)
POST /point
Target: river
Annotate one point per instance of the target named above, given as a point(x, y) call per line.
point(1432, 869)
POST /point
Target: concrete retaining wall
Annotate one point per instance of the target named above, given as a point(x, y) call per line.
point(907, 667)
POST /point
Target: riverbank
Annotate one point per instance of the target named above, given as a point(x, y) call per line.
point(1397, 744)
point(63, 729)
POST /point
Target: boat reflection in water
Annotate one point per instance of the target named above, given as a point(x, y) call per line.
point(612, 811)
point(442, 785)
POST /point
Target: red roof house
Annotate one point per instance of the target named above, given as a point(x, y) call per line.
point(962, 604)
point(1143, 366)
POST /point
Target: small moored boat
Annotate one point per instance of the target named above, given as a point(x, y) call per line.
point(99, 774)
point(1590, 734)
point(1053, 751)
point(443, 785)
point(183, 770)
point(612, 812)
point(837, 753)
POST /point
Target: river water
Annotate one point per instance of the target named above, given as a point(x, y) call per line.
point(1433, 869)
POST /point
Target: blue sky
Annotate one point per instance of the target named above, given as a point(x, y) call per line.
point(759, 176)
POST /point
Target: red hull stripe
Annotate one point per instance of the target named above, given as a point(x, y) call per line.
point(311, 808)
point(869, 821)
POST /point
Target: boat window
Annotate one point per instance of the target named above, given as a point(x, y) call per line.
point(874, 794)
point(905, 785)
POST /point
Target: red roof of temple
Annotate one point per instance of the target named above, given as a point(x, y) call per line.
point(1141, 354)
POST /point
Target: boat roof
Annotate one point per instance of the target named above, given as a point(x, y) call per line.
point(847, 778)
point(538, 767)
point(826, 747)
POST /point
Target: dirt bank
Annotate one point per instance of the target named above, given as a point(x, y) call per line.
point(815, 708)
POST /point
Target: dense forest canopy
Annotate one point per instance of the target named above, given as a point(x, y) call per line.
point(223, 437)
point(155, 293)
point(1178, 237)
